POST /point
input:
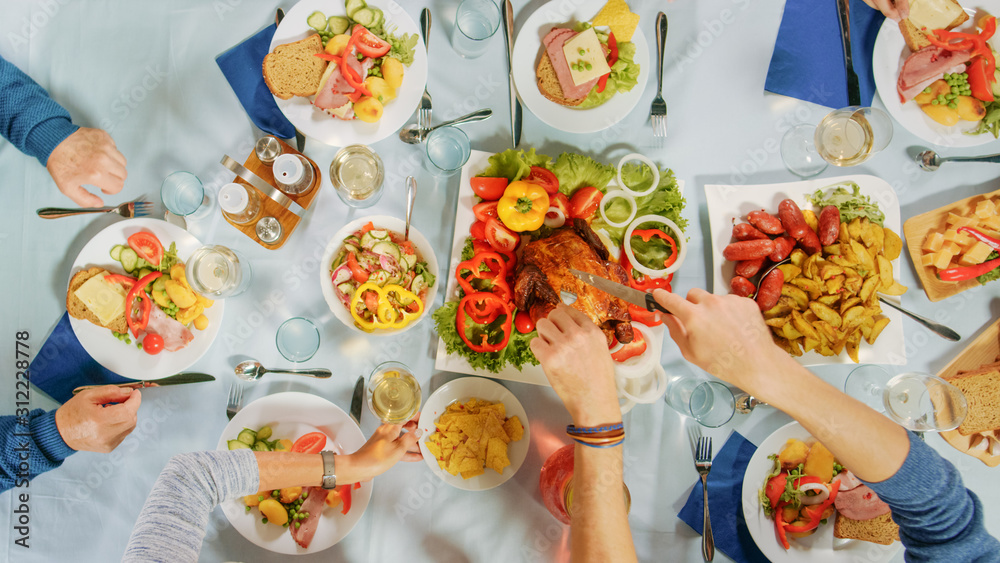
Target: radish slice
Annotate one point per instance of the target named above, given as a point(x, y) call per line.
point(612, 195)
point(341, 275)
point(647, 162)
point(822, 491)
point(555, 222)
point(678, 237)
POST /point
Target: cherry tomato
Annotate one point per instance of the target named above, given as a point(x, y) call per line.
point(544, 178)
point(500, 237)
point(478, 230)
point(147, 246)
point(311, 443)
point(371, 45)
point(485, 210)
point(584, 202)
point(488, 188)
point(523, 322)
point(152, 344)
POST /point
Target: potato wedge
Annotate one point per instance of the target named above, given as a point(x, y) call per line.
point(804, 327)
point(777, 322)
point(852, 349)
point(798, 256)
point(869, 287)
point(848, 303)
point(892, 246)
point(895, 289)
point(880, 324)
point(799, 296)
point(811, 219)
point(853, 317)
point(790, 270)
point(855, 227)
point(827, 314)
point(884, 271)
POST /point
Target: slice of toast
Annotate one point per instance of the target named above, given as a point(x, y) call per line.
point(293, 69)
point(881, 529)
point(915, 27)
point(548, 83)
point(982, 393)
point(79, 310)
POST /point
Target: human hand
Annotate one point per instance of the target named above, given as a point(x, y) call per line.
point(88, 156)
point(388, 445)
point(88, 423)
point(574, 354)
point(893, 9)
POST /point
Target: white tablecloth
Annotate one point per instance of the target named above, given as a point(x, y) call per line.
point(145, 71)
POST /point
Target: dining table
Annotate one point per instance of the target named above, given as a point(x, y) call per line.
point(146, 73)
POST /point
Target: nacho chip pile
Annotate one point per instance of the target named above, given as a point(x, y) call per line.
point(617, 15)
point(472, 436)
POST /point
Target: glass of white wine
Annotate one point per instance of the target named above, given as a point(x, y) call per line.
point(218, 272)
point(844, 137)
point(916, 401)
point(393, 393)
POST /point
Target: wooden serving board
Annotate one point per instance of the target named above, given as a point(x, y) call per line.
point(289, 220)
point(983, 350)
point(915, 230)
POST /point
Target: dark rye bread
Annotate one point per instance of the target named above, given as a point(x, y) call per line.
point(79, 310)
point(293, 70)
point(915, 38)
point(880, 529)
point(981, 388)
point(548, 83)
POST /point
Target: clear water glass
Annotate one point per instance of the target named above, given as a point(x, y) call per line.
point(182, 193)
point(476, 21)
point(709, 402)
point(297, 339)
point(448, 149)
point(218, 272)
point(916, 401)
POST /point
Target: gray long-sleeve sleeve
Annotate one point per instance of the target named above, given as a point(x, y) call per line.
point(171, 526)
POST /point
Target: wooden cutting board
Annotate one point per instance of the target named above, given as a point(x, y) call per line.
point(915, 230)
point(983, 350)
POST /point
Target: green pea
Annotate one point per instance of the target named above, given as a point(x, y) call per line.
point(582, 52)
point(263, 520)
point(935, 102)
point(954, 89)
point(298, 524)
point(260, 498)
point(951, 96)
point(589, 66)
point(927, 90)
point(952, 105)
point(285, 525)
point(274, 494)
point(248, 509)
point(305, 494)
point(965, 76)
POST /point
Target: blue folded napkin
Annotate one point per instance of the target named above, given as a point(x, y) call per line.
point(725, 487)
point(242, 67)
point(63, 365)
point(808, 59)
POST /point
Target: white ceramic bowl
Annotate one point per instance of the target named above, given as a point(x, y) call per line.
point(336, 244)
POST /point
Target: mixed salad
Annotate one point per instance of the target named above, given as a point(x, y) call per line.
point(624, 73)
point(525, 196)
point(381, 279)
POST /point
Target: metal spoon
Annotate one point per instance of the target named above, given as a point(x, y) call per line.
point(251, 370)
point(746, 402)
point(938, 329)
point(411, 196)
point(414, 136)
point(931, 161)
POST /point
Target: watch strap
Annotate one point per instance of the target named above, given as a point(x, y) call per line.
point(329, 469)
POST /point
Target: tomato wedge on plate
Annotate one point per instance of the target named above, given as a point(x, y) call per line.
point(584, 202)
point(488, 188)
point(500, 237)
point(485, 210)
point(311, 443)
point(544, 178)
point(478, 230)
point(147, 246)
point(369, 44)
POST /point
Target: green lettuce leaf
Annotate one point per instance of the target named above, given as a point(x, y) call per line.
point(517, 352)
point(575, 171)
point(402, 46)
point(624, 75)
point(851, 204)
point(514, 164)
point(666, 201)
point(993, 274)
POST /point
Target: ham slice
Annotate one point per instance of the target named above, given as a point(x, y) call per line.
point(554, 41)
point(860, 503)
point(334, 92)
point(847, 480)
point(314, 506)
point(175, 335)
point(925, 66)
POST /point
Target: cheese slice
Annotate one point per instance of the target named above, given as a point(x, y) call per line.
point(582, 51)
point(934, 14)
point(105, 300)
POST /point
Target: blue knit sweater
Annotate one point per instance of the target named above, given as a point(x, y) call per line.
point(29, 118)
point(27, 451)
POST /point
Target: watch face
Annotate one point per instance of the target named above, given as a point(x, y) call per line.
point(329, 470)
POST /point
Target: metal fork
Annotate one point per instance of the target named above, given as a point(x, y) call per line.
point(128, 210)
point(235, 400)
point(703, 463)
point(424, 113)
point(658, 111)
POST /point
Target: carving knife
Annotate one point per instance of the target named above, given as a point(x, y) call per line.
point(515, 104)
point(179, 379)
point(623, 292)
point(853, 87)
point(356, 399)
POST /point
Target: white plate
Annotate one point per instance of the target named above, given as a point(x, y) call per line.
point(820, 547)
point(527, 51)
point(462, 390)
point(887, 58)
point(336, 244)
point(320, 125)
point(291, 415)
point(128, 360)
point(732, 203)
point(464, 217)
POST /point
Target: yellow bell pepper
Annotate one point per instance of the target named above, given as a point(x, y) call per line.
point(386, 315)
point(523, 206)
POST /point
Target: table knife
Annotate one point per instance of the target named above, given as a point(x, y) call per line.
point(515, 104)
point(356, 399)
point(300, 138)
point(179, 379)
point(853, 87)
point(624, 292)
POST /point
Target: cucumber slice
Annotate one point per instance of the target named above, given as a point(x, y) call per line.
point(419, 284)
point(261, 446)
point(379, 234)
point(264, 433)
point(116, 251)
point(317, 21)
point(346, 289)
point(387, 249)
point(364, 16)
point(379, 278)
point(237, 445)
point(367, 240)
point(160, 283)
point(247, 436)
point(338, 24)
point(379, 18)
point(408, 261)
point(352, 6)
point(145, 272)
point(129, 259)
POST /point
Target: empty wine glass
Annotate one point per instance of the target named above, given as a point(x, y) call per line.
point(844, 137)
point(916, 401)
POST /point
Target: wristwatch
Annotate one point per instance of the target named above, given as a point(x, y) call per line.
point(329, 469)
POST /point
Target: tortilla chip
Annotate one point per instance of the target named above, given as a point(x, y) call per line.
point(513, 428)
point(473, 435)
point(496, 455)
point(617, 15)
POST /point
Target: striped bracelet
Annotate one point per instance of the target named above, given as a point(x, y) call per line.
point(573, 430)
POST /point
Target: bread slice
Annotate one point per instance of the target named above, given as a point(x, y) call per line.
point(548, 83)
point(293, 70)
point(982, 392)
point(880, 529)
point(79, 310)
point(914, 27)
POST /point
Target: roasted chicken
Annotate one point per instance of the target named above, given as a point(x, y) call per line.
point(544, 272)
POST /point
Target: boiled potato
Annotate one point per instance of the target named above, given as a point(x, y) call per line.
point(273, 511)
point(160, 298)
point(937, 88)
point(380, 89)
point(283, 445)
point(793, 454)
point(368, 109)
point(290, 494)
point(969, 108)
point(204, 301)
point(392, 71)
point(187, 315)
point(180, 295)
point(177, 274)
point(201, 322)
point(251, 500)
point(942, 114)
point(335, 46)
point(819, 462)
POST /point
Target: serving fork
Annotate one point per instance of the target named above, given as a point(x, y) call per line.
point(235, 400)
point(128, 210)
point(658, 111)
point(703, 463)
point(424, 113)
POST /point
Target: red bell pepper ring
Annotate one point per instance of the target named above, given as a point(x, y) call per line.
point(479, 341)
point(816, 514)
point(145, 304)
point(642, 282)
point(482, 272)
point(647, 235)
point(352, 77)
point(612, 59)
point(988, 240)
point(780, 525)
point(641, 315)
point(963, 273)
point(328, 57)
point(344, 492)
point(979, 83)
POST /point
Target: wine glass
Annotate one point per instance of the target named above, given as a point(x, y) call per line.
point(844, 137)
point(916, 401)
point(393, 393)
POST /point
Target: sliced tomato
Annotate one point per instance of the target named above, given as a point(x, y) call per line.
point(544, 178)
point(584, 202)
point(371, 301)
point(485, 210)
point(311, 443)
point(480, 245)
point(147, 246)
point(500, 237)
point(369, 44)
point(560, 201)
point(152, 344)
point(488, 188)
point(775, 488)
point(630, 350)
point(523, 322)
point(979, 82)
point(478, 230)
point(357, 272)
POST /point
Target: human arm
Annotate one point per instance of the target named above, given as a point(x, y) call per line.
point(28, 450)
point(574, 354)
point(892, 9)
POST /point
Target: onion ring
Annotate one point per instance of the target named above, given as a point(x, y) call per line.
point(555, 222)
point(612, 195)
point(643, 395)
point(646, 161)
point(681, 245)
point(821, 489)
